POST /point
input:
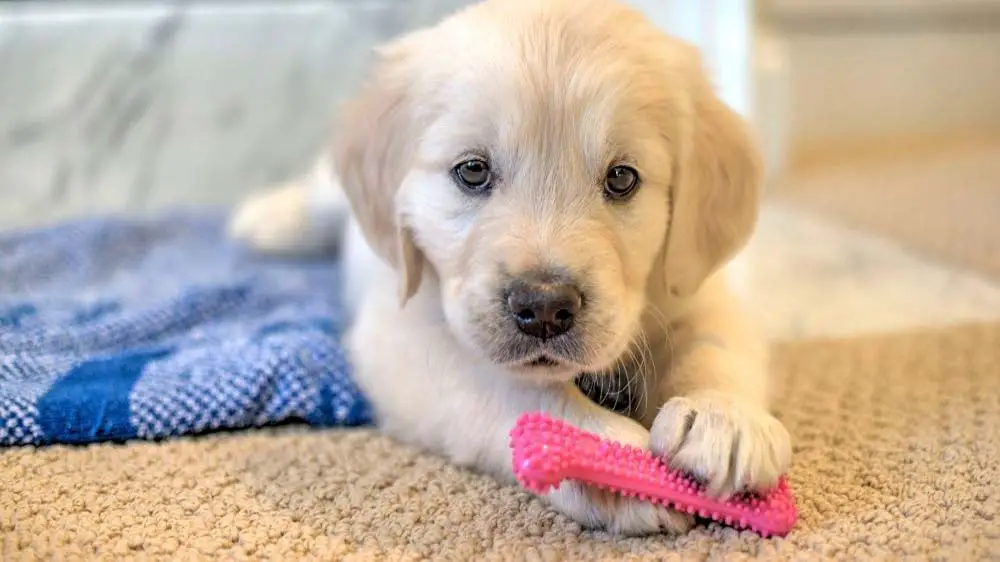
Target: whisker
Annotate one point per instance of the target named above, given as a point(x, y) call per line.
point(668, 340)
point(605, 384)
point(658, 315)
point(640, 374)
point(629, 379)
point(652, 361)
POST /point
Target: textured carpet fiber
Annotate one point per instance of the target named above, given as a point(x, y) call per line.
point(896, 456)
point(943, 204)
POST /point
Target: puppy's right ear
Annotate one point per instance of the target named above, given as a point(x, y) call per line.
point(374, 150)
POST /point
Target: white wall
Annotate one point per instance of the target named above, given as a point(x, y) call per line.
point(893, 84)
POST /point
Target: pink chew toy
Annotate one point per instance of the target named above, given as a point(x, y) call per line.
point(548, 451)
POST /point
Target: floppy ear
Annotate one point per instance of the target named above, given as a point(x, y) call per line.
point(372, 155)
point(715, 194)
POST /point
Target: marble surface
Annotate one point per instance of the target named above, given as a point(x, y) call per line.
point(129, 107)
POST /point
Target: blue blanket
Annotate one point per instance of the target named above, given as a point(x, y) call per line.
point(115, 329)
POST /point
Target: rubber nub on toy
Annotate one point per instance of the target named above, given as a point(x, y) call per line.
point(547, 451)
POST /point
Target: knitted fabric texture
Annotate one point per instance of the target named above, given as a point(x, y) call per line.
point(114, 329)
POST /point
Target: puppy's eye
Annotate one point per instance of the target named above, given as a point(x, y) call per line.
point(474, 175)
point(621, 182)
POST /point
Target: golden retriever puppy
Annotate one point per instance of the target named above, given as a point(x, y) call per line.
point(535, 201)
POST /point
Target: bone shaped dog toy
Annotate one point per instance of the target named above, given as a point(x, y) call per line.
point(547, 451)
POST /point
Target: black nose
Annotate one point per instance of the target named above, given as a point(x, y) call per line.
point(543, 306)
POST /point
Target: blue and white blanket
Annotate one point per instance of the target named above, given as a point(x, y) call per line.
point(115, 329)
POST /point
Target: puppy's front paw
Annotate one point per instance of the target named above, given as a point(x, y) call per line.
point(729, 444)
point(598, 509)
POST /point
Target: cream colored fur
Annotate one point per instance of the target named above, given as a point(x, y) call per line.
point(554, 91)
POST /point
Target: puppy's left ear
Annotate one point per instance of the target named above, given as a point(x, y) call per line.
point(374, 152)
point(716, 192)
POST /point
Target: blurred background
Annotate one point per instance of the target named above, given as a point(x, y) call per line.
point(880, 122)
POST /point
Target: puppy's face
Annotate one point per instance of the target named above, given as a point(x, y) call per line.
point(530, 162)
point(540, 199)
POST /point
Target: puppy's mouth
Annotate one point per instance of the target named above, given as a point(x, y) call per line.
point(543, 362)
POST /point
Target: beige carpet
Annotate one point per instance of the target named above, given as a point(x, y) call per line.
point(897, 455)
point(943, 203)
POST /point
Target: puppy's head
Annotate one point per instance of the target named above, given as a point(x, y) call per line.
point(551, 164)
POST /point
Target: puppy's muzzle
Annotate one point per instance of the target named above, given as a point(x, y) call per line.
point(543, 305)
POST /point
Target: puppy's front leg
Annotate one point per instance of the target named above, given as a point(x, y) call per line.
point(715, 421)
point(601, 509)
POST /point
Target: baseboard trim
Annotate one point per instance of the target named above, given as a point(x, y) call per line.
point(881, 17)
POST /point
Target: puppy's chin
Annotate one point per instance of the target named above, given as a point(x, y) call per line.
point(544, 369)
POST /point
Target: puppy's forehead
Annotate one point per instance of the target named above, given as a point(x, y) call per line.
point(503, 103)
point(556, 116)
point(538, 92)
